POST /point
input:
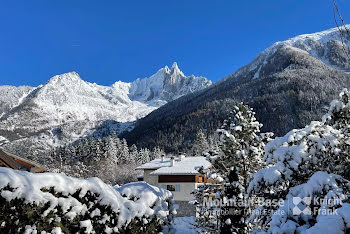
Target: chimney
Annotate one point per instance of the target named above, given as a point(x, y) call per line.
point(181, 157)
point(172, 161)
point(162, 157)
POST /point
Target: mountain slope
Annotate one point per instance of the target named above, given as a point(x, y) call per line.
point(291, 88)
point(12, 96)
point(67, 108)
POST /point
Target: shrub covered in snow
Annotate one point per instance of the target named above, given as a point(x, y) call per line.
point(55, 203)
point(291, 161)
point(338, 114)
point(323, 204)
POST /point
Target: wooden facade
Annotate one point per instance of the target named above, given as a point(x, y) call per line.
point(201, 179)
point(18, 163)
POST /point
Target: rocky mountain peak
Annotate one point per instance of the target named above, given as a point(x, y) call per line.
point(65, 77)
point(166, 85)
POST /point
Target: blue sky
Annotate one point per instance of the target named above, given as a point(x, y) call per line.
point(105, 41)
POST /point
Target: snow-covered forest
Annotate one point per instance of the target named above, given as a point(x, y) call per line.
point(109, 158)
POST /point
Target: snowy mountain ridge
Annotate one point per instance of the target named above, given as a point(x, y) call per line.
point(66, 107)
point(67, 96)
point(326, 46)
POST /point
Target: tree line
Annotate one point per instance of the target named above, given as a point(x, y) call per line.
point(109, 158)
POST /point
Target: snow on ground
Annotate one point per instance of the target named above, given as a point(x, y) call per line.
point(184, 225)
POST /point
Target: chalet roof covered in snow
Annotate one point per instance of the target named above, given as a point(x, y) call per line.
point(186, 166)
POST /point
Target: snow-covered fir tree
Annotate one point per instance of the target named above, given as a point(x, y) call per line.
point(124, 151)
point(243, 148)
point(156, 153)
point(133, 153)
point(241, 152)
point(200, 143)
point(145, 155)
point(100, 148)
point(111, 150)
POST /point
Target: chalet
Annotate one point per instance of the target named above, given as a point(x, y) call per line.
point(18, 163)
point(178, 175)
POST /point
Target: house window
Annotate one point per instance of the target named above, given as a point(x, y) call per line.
point(173, 188)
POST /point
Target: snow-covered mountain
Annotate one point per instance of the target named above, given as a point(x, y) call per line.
point(288, 84)
point(326, 46)
point(67, 107)
point(166, 85)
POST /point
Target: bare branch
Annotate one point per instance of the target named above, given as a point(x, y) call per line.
point(342, 33)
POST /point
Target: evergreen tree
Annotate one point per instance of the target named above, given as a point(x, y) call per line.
point(242, 148)
point(111, 151)
point(156, 153)
point(124, 152)
point(133, 154)
point(100, 148)
point(145, 155)
point(200, 143)
point(79, 150)
point(139, 158)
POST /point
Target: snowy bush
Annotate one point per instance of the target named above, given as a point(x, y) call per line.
point(55, 203)
point(292, 159)
point(338, 114)
point(325, 209)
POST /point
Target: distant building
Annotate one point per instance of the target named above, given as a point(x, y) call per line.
point(178, 175)
point(18, 163)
